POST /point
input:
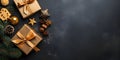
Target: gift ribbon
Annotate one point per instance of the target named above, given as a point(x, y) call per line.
point(26, 7)
point(26, 39)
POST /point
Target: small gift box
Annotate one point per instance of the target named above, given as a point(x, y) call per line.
point(26, 39)
point(27, 7)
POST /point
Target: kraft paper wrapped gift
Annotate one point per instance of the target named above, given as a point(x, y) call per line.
point(28, 8)
point(26, 39)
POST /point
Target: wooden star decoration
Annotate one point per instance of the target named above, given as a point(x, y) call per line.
point(45, 13)
point(32, 21)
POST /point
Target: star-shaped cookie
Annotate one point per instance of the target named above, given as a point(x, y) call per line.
point(32, 21)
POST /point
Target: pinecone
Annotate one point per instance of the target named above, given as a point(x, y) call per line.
point(9, 29)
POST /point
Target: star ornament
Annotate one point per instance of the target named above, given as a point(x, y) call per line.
point(32, 21)
point(44, 13)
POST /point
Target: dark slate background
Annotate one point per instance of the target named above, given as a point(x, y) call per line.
point(81, 30)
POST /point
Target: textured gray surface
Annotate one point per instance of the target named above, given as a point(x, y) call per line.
point(81, 30)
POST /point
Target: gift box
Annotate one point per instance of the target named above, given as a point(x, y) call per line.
point(27, 7)
point(26, 39)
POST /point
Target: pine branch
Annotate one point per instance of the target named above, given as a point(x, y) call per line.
point(3, 58)
point(14, 53)
point(6, 47)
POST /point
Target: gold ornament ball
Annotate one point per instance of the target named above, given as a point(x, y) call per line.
point(14, 20)
point(4, 2)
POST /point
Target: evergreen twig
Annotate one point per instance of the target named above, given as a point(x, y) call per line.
point(6, 47)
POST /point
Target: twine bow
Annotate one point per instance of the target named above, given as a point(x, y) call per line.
point(26, 39)
point(25, 5)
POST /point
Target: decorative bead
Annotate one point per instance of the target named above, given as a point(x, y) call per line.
point(44, 26)
point(48, 22)
point(42, 29)
point(45, 33)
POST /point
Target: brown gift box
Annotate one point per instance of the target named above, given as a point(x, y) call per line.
point(34, 7)
point(24, 46)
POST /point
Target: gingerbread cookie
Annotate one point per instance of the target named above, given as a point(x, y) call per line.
point(4, 14)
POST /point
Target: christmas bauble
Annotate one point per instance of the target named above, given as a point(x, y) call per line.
point(14, 20)
point(4, 2)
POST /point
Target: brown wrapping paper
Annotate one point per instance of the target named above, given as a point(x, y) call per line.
point(24, 45)
point(33, 8)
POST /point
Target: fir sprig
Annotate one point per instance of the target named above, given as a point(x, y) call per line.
point(7, 49)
